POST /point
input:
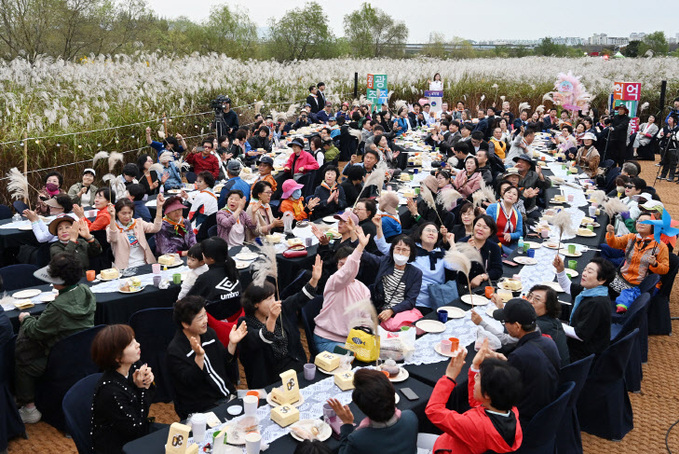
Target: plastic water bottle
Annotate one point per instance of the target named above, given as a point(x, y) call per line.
point(519, 249)
point(16, 217)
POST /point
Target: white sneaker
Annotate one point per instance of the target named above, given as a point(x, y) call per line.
point(30, 415)
point(658, 164)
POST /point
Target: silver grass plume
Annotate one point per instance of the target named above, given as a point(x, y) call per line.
point(108, 177)
point(17, 185)
point(448, 198)
point(460, 256)
point(362, 313)
point(376, 178)
point(598, 196)
point(644, 106)
point(428, 198)
point(484, 194)
point(614, 206)
point(524, 106)
point(99, 156)
point(158, 168)
point(267, 266)
point(562, 221)
point(113, 159)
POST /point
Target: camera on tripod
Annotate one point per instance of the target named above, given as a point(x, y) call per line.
point(218, 103)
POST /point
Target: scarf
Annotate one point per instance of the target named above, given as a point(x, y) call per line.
point(434, 256)
point(325, 185)
point(367, 422)
point(128, 230)
point(179, 227)
point(297, 207)
point(599, 290)
point(509, 226)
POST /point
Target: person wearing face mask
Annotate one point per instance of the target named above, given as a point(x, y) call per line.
point(397, 283)
point(272, 344)
point(507, 218)
point(53, 182)
point(589, 325)
point(293, 202)
point(82, 193)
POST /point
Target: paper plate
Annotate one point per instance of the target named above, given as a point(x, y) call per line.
point(554, 285)
point(430, 326)
point(26, 294)
point(571, 273)
point(330, 219)
point(533, 244)
point(47, 297)
point(132, 291)
point(551, 245)
point(402, 376)
point(453, 312)
point(397, 398)
point(175, 264)
point(307, 424)
point(523, 260)
point(581, 232)
point(246, 256)
point(274, 404)
point(490, 310)
point(241, 265)
point(477, 300)
point(25, 227)
point(327, 372)
point(565, 252)
point(234, 410)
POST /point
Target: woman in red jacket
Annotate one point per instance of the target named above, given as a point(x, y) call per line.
point(493, 421)
point(300, 161)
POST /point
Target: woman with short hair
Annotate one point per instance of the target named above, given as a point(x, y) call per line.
point(123, 395)
point(468, 180)
point(127, 235)
point(53, 183)
point(82, 193)
point(483, 240)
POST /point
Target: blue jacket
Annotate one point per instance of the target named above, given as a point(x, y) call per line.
point(142, 211)
point(493, 212)
point(233, 183)
point(175, 179)
point(412, 277)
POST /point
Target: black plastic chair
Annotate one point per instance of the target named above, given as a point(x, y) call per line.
point(204, 227)
point(10, 421)
point(154, 329)
point(15, 277)
point(69, 361)
point(190, 177)
point(308, 181)
point(77, 407)
point(309, 311)
point(539, 437)
point(604, 408)
point(636, 319)
point(568, 437)
point(5, 212)
point(212, 231)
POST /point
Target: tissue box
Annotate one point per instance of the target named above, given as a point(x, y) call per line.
point(327, 361)
point(177, 439)
point(345, 380)
point(285, 415)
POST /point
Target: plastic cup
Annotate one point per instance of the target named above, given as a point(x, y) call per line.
point(309, 371)
point(446, 346)
point(443, 315)
point(591, 210)
point(177, 278)
point(416, 170)
point(489, 291)
point(454, 343)
point(155, 268)
point(253, 443)
point(545, 233)
point(571, 249)
point(590, 227)
point(526, 246)
point(91, 275)
point(198, 422)
point(253, 393)
point(531, 253)
point(250, 405)
point(572, 264)
point(385, 373)
point(417, 191)
point(328, 412)
point(571, 197)
point(156, 281)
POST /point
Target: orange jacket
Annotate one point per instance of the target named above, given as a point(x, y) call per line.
point(638, 256)
point(296, 207)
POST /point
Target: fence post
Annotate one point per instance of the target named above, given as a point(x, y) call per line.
point(355, 85)
point(663, 88)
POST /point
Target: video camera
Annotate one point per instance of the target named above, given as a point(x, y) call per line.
point(218, 103)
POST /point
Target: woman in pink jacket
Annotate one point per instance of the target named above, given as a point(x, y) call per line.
point(341, 290)
point(300, 161)
point(128, 235)
point(468, 180)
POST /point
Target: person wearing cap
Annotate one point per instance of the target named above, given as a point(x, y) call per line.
point(532, 183)
point(201, 158)
point(74, 236)
point(536, 358)
point(176, 236)
point(292, 201)
point(330, 150)
point(587, 156)
point(265, 166)
point(169, 144)
point(127, 235)
point(625, 222)
point(204, 203)
point(617, 148)
point(82, 193)
point(60, 204)
point(71, 311)
point(330, 194)
point(235, 182)
point(233, 220)
point(300, 161)
point(302, 121)
point(344, 111)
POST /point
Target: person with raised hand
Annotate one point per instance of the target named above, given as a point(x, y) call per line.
point(492, 423)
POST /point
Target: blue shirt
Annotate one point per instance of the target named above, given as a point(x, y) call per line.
point(233, 183)
point(142, 211)
point(160, 149)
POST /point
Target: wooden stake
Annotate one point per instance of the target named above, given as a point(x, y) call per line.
point(26, 201)
point(165, 125)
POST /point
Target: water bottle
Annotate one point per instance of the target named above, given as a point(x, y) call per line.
point(16, 217)
point(519, 249)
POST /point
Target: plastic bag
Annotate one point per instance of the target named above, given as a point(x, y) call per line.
point(493, 341)
point(364, 343)
point(399, 345)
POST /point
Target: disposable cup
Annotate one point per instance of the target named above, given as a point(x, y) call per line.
point(309, 371)
point(446, 346)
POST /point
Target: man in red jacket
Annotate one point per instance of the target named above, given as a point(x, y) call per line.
point(202, 159)
point(493, 421)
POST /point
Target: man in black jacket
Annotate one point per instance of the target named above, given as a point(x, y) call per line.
point(617, 148)
point(197, 359)
point(313, 100)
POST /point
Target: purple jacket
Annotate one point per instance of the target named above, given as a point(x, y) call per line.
point(168, 242)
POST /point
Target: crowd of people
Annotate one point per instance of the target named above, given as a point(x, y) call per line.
point(389, 256)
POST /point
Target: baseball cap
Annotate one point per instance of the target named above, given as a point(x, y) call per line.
point(345, 217)
point(265, 160)
point(233, 165)
point(516, 310)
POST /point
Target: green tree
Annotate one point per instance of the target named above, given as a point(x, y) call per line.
point(301, 33)
point(462, 48)
point(230, 31)
point(436, 47)
point(373, 33)
point(549, 48)
point(656, 43)
point(631, 49)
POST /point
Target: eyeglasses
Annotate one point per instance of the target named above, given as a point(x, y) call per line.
point(533, 297)
point(629, 186)
point(207, 146)
point(266, 192)
point(430, 231)
point(404, 250)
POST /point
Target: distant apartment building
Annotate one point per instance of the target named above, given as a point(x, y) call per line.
point(602, 39)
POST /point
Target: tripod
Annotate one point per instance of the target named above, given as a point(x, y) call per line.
point(671, 139)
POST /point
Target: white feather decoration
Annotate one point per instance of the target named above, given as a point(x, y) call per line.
point(614, 206)
point(17, 185)
point(182, 165)
point(548, 97)
point(265, 266)
point(562, 221)
point(524, 106)
point(376, 178)
point(106, 178)
point(399, 103)
point(540, 108)
point(428, 198)
point(158, 168)
point(292, 109)
point(644, 106)
point(99, 156)
point(461, 256)
point(598, 196)
point(503, 97)
point(113, 159)
point(362, 313)
point(484, 194)
point(482, 98)
point(258, 106)
point(448, 198)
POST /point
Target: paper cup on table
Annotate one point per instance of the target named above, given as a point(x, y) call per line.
point(446, 346)
point(309, 371)
point(571, 197)
point(198, 422)
point(454, 343)
point(250, 405)
point(253, 443)
point(155, 268)
point(443, 315)
point(591, 210)
point(545, 233)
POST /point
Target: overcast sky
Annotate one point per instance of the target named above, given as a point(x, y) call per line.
point(471, 19)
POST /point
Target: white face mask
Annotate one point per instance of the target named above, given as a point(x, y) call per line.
point(400, 260)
